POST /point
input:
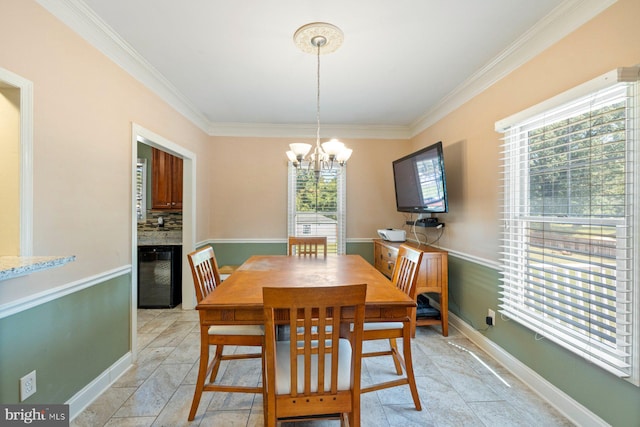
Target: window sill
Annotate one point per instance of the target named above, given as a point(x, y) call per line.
point(15, 266)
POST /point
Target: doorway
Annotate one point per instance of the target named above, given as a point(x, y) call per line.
point(16, 164)
point(147, 137)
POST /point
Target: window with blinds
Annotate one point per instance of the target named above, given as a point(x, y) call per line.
point(141, 189)
point(570, 214)
point(317, 207)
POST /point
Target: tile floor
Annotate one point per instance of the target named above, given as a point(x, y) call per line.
point(455, 388)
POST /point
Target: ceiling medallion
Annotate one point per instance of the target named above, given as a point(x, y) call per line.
point(310, 36)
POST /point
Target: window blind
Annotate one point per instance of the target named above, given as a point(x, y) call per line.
point(141, 189)
point(569, 214)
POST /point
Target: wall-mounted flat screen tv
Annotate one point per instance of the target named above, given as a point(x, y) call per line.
point(420, 181)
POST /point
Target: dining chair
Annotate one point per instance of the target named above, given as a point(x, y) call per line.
point(316, 374)
point(206, 277)
point(307, 246)
point(404, 277)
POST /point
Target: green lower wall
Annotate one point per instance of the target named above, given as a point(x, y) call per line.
point(69, 341)
point(237, 253)
point(473, 288)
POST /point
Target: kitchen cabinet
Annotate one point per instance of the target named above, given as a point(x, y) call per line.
point(166, 181)
point(433, 277)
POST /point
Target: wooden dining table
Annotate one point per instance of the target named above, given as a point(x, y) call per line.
point(238, 300)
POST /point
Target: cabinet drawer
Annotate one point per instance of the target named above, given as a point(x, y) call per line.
point(385, 259)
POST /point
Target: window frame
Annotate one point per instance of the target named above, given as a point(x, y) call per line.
point(516, 199)
point(341, 187)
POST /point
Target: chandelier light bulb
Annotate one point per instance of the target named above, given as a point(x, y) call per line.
point(332, 147)
point(292, 156)
point(300, 149)
point(344, 155)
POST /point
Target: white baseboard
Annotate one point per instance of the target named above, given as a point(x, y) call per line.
point(573, 410)
point(99, 385)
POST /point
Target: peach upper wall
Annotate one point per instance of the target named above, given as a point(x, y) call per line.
point(248, 179)
point(472, 147)
point(84, 107)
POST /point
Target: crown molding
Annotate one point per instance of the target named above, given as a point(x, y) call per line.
point(564, 19)
point(81, 19)
point(309, 130)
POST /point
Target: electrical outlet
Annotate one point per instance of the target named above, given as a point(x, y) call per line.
point(27, 385)
point(491, 317)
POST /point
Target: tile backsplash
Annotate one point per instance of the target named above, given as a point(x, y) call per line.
point(172, 221)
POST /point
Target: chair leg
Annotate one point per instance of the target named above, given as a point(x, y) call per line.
point(408, 362)
point(353, 418)
point(202, 374)
point(269, 404)
point(215, 364)
point(270, 419)
point(397, 361)
point(264, 386)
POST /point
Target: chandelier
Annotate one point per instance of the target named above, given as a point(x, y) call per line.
point(318, 38)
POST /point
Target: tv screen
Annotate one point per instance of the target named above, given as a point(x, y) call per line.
point(420, 181)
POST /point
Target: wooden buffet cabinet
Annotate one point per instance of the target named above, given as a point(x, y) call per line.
point(433, 276)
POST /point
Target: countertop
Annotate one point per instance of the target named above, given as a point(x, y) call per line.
point(159, 237)
point(14, 266)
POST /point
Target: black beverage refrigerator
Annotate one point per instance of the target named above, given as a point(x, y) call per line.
point(159, 276)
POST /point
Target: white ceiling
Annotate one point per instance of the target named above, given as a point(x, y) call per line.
point(232, 66)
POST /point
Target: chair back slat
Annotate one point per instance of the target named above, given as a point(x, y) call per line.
point(307, 246)
point(405, 273)
point(204, 270)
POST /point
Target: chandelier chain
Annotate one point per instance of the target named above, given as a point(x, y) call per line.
point(318, 99)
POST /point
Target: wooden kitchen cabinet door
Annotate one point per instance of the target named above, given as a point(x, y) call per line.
point(166, 181)
point(176, 183)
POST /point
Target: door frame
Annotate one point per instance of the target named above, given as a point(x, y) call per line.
point(12, 80)
point(145, 136)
